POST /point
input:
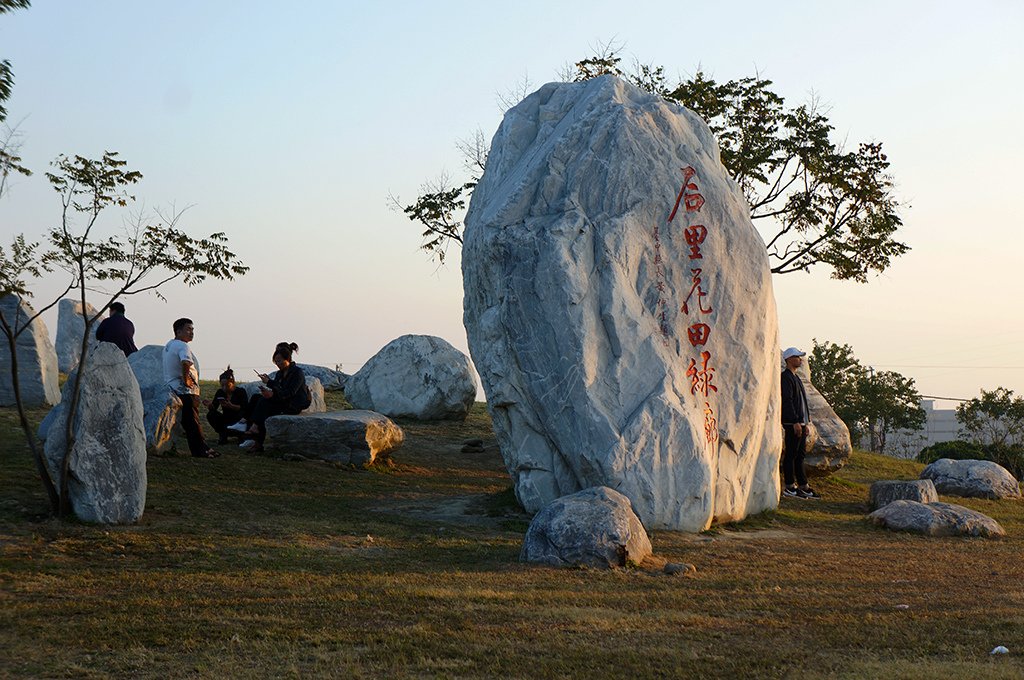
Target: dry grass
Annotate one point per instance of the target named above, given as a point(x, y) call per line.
point(248, 566)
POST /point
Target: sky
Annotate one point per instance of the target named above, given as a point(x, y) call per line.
point(288, 127)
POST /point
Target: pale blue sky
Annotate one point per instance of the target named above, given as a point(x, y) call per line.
point(287, 127)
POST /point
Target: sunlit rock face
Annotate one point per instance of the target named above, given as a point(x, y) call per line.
point(828, 443)
point(619, 309)
point(37, 360)
point(70, 327)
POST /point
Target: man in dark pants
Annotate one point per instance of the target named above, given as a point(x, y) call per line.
point(116, 328)
point(181, 371)
point(795, 418)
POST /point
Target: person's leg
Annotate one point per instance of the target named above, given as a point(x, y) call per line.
point(798, 461)
point(265, 408)
point(190, 423)
point(789, 457)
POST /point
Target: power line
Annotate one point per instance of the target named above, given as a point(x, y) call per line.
point(946, 366)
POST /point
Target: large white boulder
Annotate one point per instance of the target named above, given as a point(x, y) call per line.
point(972, 478)
point(594, 527)
point(148, 365)
point(108, 460)
point(618, 347)
point(415, 376)
point(70, 327)
point(37, 360)
point(828, 445)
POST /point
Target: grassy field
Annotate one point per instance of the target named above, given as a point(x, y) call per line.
point(249, 566)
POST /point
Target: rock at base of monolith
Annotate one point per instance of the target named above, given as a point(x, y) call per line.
point(884, 492)
point(828, 443)
point(148, 365)
point(936, 519)
point(70, 327)
point(316, 390)
point(619, 309)
point(594, 528)
point(972, 479)
point(108, 461)
point(161, 413)
point(415, 376)
point(37, 360)
point(347, 437)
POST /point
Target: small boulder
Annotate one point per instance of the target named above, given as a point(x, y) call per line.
point(595, 527)
point(37, 360)
point(935, 519)
point(884, 492)
point(318, 405)
point(415, 376)
point(108, 459)
point(972, 479)
point(347, 437)
point(70, 327)
point(161, 412)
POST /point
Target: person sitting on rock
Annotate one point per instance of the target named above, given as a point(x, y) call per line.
point(227, 407)
point(285, 393)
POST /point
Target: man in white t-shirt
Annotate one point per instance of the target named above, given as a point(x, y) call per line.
point(181, 373)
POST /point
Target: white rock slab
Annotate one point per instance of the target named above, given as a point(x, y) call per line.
point(350, 437)
point(579, 316)
point(108, 460)
point(595, 528)
point(415, 376)
point(37, 359)
point(936, 519)
point(70, 327)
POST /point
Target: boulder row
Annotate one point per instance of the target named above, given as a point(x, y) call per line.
point(619, 309)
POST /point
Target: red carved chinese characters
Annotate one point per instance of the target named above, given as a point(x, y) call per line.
point(701, 294)
point(710, 424)
point(702, 378)
point(695, 236)
point(692, 202)
point(698, 333)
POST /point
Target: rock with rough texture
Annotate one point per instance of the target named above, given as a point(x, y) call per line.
point(37, 360)
point(108, 460)
point(70, 326)
point(828, 445)
point(161, 413)
point(884, 492)
point(935, 519)
point(415, 376)
point(330, 379)
point(148, 365)
point(347, 437)
point(972, 479)
point(595, 528)
point(585, 323)
point(318, 405)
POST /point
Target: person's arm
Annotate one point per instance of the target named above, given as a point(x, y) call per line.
point(789, 415)
point(186, 374)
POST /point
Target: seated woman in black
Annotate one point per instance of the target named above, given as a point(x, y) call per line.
point(285, 393)
point(227, 406)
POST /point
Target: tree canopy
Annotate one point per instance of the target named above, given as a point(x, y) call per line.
point(996, 417)
point(813, 200)
point(869, 402)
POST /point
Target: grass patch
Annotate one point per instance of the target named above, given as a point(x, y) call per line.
point(249, 566)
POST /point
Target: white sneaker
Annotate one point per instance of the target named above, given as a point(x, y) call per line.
point(247, 444)
point(240, 426)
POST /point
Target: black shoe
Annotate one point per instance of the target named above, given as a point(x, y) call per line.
point(791, 491)
point(808, 493)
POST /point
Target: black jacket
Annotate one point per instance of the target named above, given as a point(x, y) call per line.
point(289, 390)
point(794, 399)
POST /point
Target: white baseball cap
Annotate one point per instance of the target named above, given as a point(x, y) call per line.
point(792, 352)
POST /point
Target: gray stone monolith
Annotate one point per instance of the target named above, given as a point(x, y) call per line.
point(70, 327)
point(108, 460)
point(829, 445)
point(37, 359)
point(619, 309)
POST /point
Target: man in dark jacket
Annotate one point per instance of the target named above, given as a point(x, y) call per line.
point(117, 329)
point(795, 419)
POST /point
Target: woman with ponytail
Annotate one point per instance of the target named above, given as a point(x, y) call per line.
point(284, 394)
